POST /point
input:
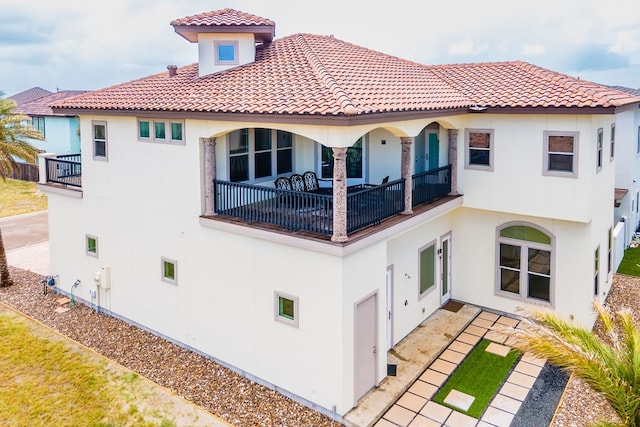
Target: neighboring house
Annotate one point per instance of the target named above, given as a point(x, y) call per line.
point(627, 199)
point(61, 131)
point(499, 194)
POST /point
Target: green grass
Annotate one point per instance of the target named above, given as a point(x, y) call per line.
point(46, 382)
point(19, 197)
point(631, 262)
point(479, 375)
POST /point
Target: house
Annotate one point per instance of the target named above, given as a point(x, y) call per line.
point(499, 194)
point(61, 131)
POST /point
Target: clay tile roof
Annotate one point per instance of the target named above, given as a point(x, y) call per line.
point(305, 74)
point(223, 21)
point(519, 84)
point(634, 92)
point(29, 95)
point(40, 106)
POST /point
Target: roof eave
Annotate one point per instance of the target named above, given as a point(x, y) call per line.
point(263, 33)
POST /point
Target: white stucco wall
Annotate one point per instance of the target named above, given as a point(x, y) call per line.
point(206, 51)
point(627, 163)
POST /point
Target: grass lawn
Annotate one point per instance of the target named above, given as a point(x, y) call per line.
point(479, 376)
point(631, 262)
point(18, 197)
point(47, 382)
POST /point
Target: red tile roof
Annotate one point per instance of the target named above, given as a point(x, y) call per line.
point(305, 74)
point(40, 106)
point(223, 17)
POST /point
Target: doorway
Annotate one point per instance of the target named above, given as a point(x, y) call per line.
point(389, 307)
point(427, 151)
point(366, 352)
point(445, 269)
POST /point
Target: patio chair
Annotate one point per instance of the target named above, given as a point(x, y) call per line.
point(311, 183)
point(297, 182)
point(282, 183)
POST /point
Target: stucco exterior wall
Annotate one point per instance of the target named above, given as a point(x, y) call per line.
point(627, 164)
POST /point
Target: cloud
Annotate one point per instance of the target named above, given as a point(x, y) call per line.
point(533, 49)
point(597, 57)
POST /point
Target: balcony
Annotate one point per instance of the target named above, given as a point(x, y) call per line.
point(296, 211)
point(64, 170)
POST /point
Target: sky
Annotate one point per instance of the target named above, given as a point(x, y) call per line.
point(92, 44)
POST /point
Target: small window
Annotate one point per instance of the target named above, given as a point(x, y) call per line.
point(610, 251)
point(427, 268)
point(479, 149)
point(286, 309)
point(226, 53)
point(169, 270)
point(638, 142)
point(596, 272)
point(92, 245)
point(161, 131)
point(38, 123)
point(600, 141)
point(613, 141)
point(561, 154)
point(100, 140)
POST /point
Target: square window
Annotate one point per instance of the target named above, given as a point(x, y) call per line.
point(561, 154)
point(92, 245)
point(479, 149)
point(169, 270)
point(427, 268)
point(144, 129)
point(159, 129)
point(176, 131)
point(286, 309)
point(226, 52)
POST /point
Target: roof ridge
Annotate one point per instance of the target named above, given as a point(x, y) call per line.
point(323, 74)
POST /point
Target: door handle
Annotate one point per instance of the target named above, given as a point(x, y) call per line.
point(375, 350)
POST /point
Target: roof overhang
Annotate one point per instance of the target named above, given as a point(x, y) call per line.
point(618, 196)
point(263, 33)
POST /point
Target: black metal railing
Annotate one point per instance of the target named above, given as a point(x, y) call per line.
point(297, 210)
point(430, 185)
point(65, 169)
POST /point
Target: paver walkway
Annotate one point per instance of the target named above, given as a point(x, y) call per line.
point(415, 407)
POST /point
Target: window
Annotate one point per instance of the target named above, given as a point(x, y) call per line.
point(92, 245)
point(160, 131)
point(596, 272)
point(613, 141)
point(427, 268)
point(38, 124)
point(524, 263)
point(638, 143)
point(100, 140)
point(561, 154)
point(479, 149)
point(610, 251)
point(169, 270)
point(286, 309)
point(353, 161)
point(254, 156)
point(599, 150)
point(226, 52)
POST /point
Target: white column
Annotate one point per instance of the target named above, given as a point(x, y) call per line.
point(42, 166)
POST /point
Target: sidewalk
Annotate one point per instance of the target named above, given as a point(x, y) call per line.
point(26, 241)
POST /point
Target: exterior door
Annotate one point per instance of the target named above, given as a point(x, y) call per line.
point(356, 161)
point(420, 153)
point(366, 337)
point(389, 308)
point(445, 269)
point(434, 151)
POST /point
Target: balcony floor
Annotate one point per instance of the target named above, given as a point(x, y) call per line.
point(353, 237)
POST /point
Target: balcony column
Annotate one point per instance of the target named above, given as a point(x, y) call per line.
point(43, 176)
point(407, 173)
point(209, 175)
point(453, 159)
point(339, 195)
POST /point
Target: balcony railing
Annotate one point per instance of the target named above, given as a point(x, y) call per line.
point(294, 210)
point(65, 169)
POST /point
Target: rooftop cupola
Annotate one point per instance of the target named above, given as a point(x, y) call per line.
point(226, 38)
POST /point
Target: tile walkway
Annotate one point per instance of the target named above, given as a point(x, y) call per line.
point(415, 408)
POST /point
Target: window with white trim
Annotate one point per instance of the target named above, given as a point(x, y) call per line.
point(100, 148)
point(259, 154)
point(427, 267)
point(610, 251)
point(525, 263)
point(152, 130)
point(479, 149)
point(169, 270)
point(599, 144)
point(560, 153)
point(596, 272)
point(613, 141)
point(286, 308)
point(91, 243)
point(226, 52)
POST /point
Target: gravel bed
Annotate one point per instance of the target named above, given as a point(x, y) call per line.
point(538, 408)
point(194, 377)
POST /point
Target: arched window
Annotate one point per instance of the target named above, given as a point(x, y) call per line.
point(525, 262)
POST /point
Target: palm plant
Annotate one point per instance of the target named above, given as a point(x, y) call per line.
point(609, 364)
point(13, 145)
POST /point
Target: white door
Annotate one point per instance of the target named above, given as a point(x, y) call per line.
point(389, 308)
point(366, 356)
point(445, 269)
